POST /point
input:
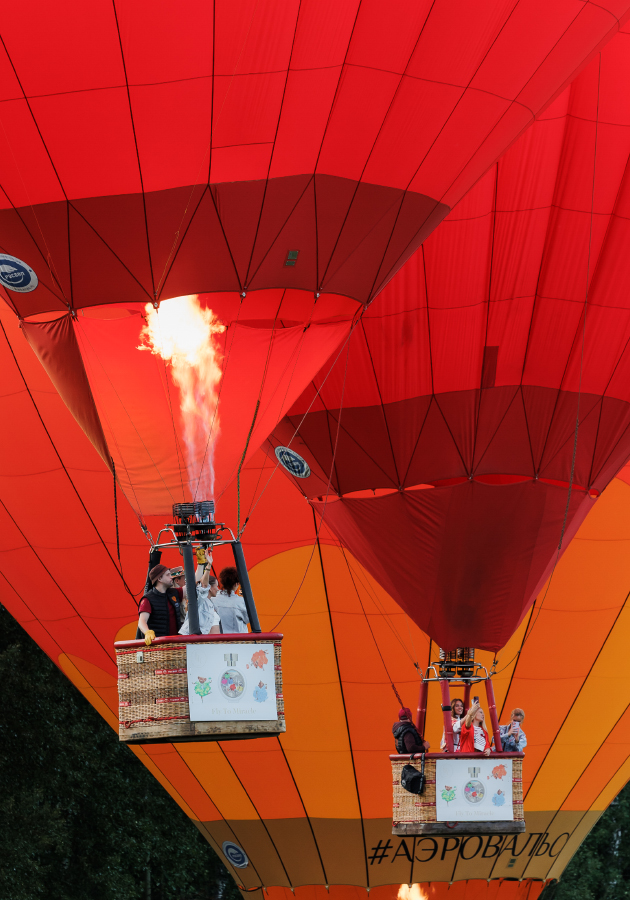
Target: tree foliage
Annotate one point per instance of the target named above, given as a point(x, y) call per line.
point(80, 817)
point(600, 870)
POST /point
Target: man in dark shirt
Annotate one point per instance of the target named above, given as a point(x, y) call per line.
point(159, 607)
point(406, 736)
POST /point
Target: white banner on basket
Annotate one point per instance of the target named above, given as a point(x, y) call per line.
point(231, 682)
point(469, 790)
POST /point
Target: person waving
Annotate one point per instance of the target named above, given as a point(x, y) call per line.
point(474, 736)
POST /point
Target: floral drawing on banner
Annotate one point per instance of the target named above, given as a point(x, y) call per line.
point(259, 659)
point(260, 692)
point(202, 686)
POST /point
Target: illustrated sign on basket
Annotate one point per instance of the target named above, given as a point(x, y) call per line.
point(231, 682)
point(473, 790)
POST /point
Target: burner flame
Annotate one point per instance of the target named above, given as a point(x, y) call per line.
point(184, 335)
point(412, 892)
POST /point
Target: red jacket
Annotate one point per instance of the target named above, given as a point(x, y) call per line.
point(467, 740)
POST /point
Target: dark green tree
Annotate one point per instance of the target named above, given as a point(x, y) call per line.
point(80, 817)
point(600, 870)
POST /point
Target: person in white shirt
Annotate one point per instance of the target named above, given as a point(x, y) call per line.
point(209, 621)
point(230, 605)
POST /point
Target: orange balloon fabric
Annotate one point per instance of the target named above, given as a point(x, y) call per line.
point(313, 809)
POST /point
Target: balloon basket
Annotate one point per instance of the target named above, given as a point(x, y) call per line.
point(214, 687)
point(475, 784)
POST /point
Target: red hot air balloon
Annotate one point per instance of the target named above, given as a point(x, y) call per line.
point(244, 150)
point(446, 437)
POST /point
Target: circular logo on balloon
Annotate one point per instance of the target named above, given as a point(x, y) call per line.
point(16, 275)
point(235, 854)
point(232, 684)
point(292, 462)
point(474, 791)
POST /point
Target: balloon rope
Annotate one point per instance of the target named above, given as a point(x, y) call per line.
point(116, 512)
point(397, 694)
point(381, 610)
point(238, 474)
point(315, 396)
point(369, 625)
point(282, 406)
point(260, 393)
point(330, 475)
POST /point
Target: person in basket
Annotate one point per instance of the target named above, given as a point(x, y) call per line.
point(407, 738)
point(512, 735)
point(473, 732)
point(159, 608)
point(209, 621)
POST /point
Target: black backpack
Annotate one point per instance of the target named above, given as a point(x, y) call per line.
point(411, 779)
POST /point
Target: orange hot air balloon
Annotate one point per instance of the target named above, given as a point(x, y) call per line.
point(482, 405)
point(314, 808)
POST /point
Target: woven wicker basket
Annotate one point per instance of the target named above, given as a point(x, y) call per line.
point(153, 695)
point(419, 809)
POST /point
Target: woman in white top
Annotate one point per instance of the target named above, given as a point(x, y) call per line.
point(209, 621)
point(230, 605)
point(457, 712)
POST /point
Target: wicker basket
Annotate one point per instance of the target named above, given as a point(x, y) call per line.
point(416, 813)
point(153, 693)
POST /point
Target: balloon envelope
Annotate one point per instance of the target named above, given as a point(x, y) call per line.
point(314, 808)
point(445, 438)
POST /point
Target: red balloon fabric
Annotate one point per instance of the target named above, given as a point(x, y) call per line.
point(516, 316)
point(151, 151)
